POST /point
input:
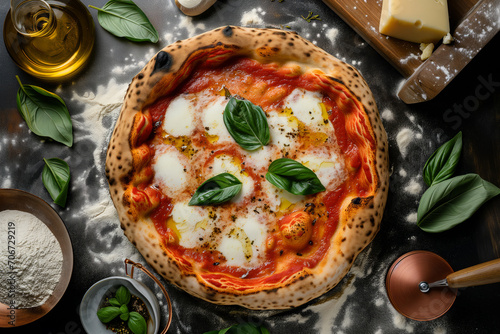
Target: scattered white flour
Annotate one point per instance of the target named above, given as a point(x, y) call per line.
point(413, 187)
point(400, 85)
point(402, 173)
point(186, 22)
point(107, 243)
point(107, 99)
point(332, 34)
point(30, 260)
point(439, 330)
point(329, 308)
point(400, 322)
point(135, 65)
point(387, 115)
point(348, 318)
point(168, 38)
point(411, 217)
point(403, 139)
point(252, 17)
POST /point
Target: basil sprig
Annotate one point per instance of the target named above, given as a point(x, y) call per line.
point(247, 328)
point(292, 176)
point(216, 190)
point(123, 18)
point(55, 178)
point(246, 123)
point(451, 202)
point(135, 321)
point(441, 164)
point(45, 113)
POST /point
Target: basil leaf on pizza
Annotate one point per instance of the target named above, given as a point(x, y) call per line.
point(246, 123)
point(441, 164)
point(294, 177)
point(216, 190)
point(265, 244)
point(448, 203)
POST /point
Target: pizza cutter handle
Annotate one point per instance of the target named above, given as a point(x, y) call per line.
point(484, 273)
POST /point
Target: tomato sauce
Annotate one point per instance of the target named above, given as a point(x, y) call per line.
point(243, 75)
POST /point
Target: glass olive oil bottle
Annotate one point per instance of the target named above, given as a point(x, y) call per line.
point(49, 39)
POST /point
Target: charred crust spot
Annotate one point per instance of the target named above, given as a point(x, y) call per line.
point(336, 80)
point(163, 62)
point(140, 76)
point(356, 201)
point(227, 31)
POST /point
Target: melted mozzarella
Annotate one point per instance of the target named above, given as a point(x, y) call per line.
point(233, 250)
point(328, 167)
point(179, 117)
point(212, 109)
point(305, 105)
point(279, 198)
point(171, 171)
point(283, 130)
point(190, 222)
point(227, 164)
point(260, 159)
point(244, 244)
point(256, 232)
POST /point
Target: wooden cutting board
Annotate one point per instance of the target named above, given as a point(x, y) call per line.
point(423, 84)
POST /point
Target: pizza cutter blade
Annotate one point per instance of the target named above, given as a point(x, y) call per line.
point(411, 294)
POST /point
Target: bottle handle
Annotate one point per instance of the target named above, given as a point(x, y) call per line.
point(147, 272)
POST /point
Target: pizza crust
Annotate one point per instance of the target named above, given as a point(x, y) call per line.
point(360, 217)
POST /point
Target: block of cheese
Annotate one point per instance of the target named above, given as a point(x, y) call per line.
point(419, 21)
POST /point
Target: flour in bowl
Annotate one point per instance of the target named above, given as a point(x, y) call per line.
point(30, 260)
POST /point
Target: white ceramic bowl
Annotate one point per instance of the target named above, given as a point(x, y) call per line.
point(93, 297)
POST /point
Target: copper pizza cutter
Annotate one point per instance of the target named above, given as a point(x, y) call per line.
point(422, 286)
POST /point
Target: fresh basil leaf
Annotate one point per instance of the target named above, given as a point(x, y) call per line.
point(264, 330)
point(246, 123)
point(450, 202)
point(108, 313)
point(55, 178)
point(243, 328)
point(216, 190)
point(125, 316)
point(441, 164)
point(137, 323)
point(247, 328)
point(123, 18)
point(45, 113)
point(124, 309)
point(123, 295)
point(114, 302)
point(292, 176)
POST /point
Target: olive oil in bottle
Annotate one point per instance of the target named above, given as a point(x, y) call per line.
point(49, 39)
